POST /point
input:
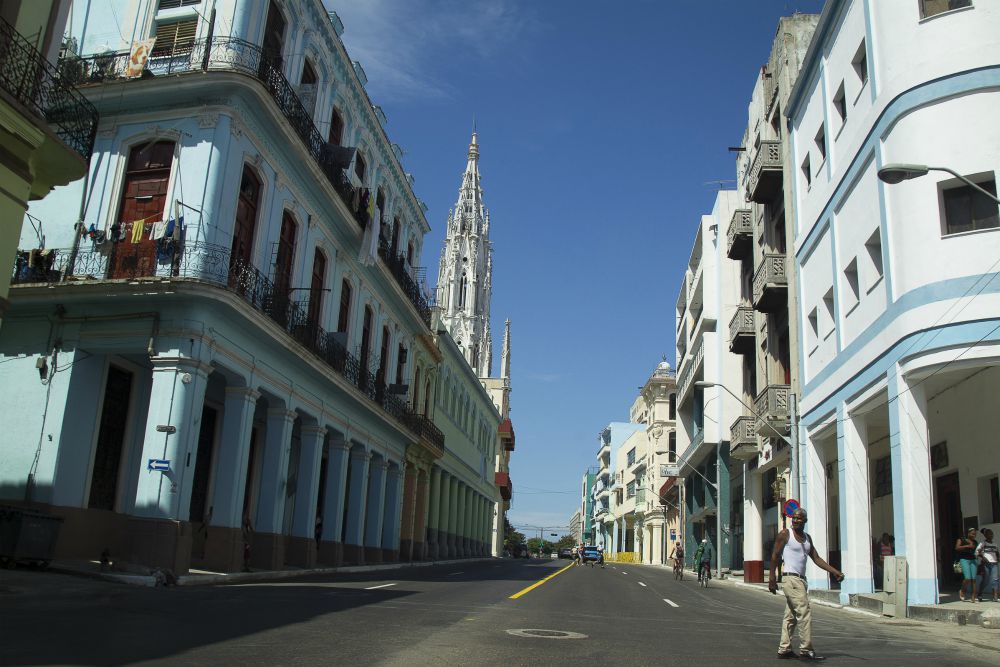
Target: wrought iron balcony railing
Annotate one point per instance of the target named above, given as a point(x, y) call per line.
point(396, 263)
point(242, 57)
point(38, 86)
point(214, 265)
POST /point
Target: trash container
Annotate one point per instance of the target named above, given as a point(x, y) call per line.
point(27, 536)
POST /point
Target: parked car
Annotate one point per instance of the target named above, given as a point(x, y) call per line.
point(566, 553)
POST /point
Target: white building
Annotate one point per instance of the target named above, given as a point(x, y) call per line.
point(898, 298)
point(709, 297)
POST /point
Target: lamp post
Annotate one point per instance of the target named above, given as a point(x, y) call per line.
point(894, 173)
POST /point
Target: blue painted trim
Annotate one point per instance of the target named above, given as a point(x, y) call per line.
point(922, 591)
point(896, 385)
point(964, 333)
point(946, 86)
point(827, 156)
point(829, 18)
point(870, 49)
point(837, 303)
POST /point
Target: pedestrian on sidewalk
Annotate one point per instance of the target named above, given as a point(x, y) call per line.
point(792, 547)
point(965, 552)
point(988, 555)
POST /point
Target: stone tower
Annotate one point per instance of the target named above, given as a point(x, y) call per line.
point(465, 275)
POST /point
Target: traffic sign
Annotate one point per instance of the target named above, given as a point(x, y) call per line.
point(161, 465)
point(790, 506)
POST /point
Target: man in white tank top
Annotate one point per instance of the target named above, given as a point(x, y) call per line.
point(792, 548)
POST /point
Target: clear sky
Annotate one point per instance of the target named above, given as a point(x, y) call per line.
point(603, 130)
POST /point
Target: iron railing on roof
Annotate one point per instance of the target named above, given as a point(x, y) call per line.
point(29, 78)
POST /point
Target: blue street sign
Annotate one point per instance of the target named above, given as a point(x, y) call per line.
point(162, 465)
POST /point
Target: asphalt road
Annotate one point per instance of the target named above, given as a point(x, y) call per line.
point(446, 615)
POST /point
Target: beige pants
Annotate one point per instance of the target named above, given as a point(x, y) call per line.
point(797, 613)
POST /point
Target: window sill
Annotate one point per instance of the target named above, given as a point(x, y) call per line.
point(971, 232)
point(949, 12)
point(853, 307)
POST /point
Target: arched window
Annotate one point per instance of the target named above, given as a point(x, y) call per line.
point(345, 306)
point(285, 256)
point(274, 36)
point(316, 288)
point(427, 398)
point(246, 219)
point(463, 286)
point(336, 128)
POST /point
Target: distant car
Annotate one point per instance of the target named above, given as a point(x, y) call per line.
point(553, 555)
point(591, 554)
point(565, 553)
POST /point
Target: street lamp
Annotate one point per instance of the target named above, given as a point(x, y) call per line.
point(898, 172)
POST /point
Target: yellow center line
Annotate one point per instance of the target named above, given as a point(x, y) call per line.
point(538, 583)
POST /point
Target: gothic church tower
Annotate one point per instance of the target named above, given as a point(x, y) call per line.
point(465, 275)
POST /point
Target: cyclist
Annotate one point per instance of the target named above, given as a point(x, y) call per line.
point(703, 559)
point(600, 560)
point(678, 557)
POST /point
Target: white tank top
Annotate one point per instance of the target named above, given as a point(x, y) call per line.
point(795, 553)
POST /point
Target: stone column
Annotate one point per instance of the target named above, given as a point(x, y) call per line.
point(912, 486)
point(331, 549)
point(420, 516)
point(855, 517)
point(433, 513)
point(813, 495)
point(753, 529)
point(302, 545)
point(268, 551)
point(224, 543)
point(461, 541)
point(375, 510)
point(391, 522)
point(409, 505)
point(160, 535)
point(477, 525)
point(357, 490)
point(452, 514)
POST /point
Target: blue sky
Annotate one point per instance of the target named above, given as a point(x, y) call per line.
point(603, 128)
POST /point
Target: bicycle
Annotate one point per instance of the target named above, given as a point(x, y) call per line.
point(678, 570)
point(706, 574)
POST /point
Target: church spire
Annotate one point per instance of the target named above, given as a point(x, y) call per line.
point(505, 360)
point(465, 273)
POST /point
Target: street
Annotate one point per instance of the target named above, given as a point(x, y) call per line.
point(449, 614)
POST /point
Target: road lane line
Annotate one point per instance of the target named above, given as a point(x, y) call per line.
point(454, 573)
point(642, 584)
point(670, 602)
point(538, 583)
point(371, 588)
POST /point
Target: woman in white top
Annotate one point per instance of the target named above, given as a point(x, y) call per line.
point(988, 554)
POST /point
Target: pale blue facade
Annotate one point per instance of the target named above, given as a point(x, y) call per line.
point(256, 384)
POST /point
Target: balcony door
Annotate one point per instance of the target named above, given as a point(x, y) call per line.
point(316, 289)
point(144, 198)
point(283, 269)
point(241, 253)
point(274, 35)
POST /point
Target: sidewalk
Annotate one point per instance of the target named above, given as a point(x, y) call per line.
point(143, 577)
point(949, 610)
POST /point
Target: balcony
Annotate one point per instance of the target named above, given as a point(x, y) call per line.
point(503, 483)
point(603, 492)
point(764, 177)
point(38, 88)
point(743, 439)
point(242, 57)
point(212, 265)
point(770, 284)
point(506, 432)
point(689, 372)
point(739, 237)
point(741, 331)
point(772, 405)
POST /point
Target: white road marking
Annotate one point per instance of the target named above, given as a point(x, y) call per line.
point(642, 584)
point(670, 602)
point(371, 588)
point(623, 572)
point(454, 573)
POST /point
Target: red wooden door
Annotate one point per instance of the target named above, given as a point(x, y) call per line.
point(246, 219)
point(316, 289)
point(143, 203)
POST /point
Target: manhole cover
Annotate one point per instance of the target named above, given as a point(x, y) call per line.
point(546, 634)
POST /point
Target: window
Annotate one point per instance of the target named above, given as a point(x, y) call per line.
point(813, 326)
point(309, 77)
point(672, 446)
point(336, 128)
point(806, 171)
point(401, 355)
point(175, 37)
point(821, 141)
point(840, 103)
point(174, 4)
point(359, 168)
point(967, 210)
point(630, 490)
point(883, 477)
point(345, 306)
point(316, 288)
point(673, 406)
point(830, 312)
point(770, 488)
point(631, 457)
point(851, 278)
point(860, 63)
point(874, 247)
point(930, 8)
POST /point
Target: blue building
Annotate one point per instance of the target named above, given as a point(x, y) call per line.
point(223, 354)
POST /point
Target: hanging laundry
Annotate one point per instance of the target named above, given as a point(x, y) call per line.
point(158, 231)
point(138, 227)
point(178, 229)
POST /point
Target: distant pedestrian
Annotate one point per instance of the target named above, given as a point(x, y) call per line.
point(792, 547)
point(247, 528)
point(883, 548)
point(965, 552)
point(988, 560)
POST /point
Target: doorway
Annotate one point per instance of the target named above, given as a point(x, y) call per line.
point(949, 521)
